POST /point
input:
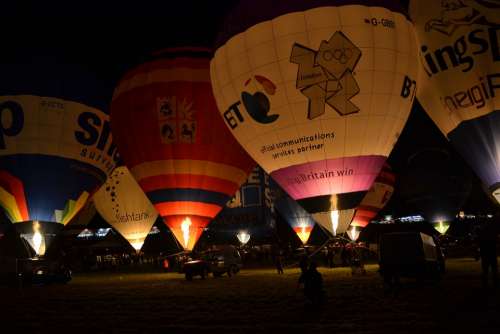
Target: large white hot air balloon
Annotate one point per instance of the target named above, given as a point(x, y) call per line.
point(317, 92)
point(123, 204)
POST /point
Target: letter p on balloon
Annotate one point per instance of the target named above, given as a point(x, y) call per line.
point(11, 120)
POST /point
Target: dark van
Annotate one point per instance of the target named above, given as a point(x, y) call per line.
point(410, 254)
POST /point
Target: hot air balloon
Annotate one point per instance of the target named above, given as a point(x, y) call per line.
point(380, 193)
point(123, 204)
point(317, 92)
point(298, 218)
point(460, 80)
point(55, 146)
point(251, 209)
point(166, 126)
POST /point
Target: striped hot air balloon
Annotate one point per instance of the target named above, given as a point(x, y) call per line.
point(55, 145)
point(375, 199)
point(317, 92)
point(167, 128)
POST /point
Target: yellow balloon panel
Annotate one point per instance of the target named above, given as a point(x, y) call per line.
point(123, 204)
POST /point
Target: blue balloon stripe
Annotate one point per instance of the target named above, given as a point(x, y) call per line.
point(187, 195)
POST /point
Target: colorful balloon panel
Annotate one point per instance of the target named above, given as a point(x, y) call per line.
point(460, 78)
point(123, 204)
point(317, 93)
point(178, 148)
point(376, 198)
point(298, 218)
point(55, 149)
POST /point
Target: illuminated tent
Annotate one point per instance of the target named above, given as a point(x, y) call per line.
point(317, 92)
point(460, 81)
point(165, 123)
point(55, 146)
point(123, 204)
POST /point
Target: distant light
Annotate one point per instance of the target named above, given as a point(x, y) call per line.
point(86, 233)
point(154, 230)
point(243, 237)
point(489, 216)
point(417, 218)
point(102, 232)
point(388, 218)
point(461, 215)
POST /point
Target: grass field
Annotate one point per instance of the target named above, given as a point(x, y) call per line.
point(254, 301)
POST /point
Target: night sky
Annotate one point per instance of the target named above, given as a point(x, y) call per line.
point(109, 37)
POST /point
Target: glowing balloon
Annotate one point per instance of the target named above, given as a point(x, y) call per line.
point(55, 145)
point(123, 204)
point(460, 82)
point(317, 93)
point(380, 193)
point(298, 218)
point(166, 125)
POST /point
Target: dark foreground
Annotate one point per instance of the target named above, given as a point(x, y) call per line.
point(254, 301)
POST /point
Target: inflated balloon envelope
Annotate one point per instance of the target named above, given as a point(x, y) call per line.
point(123, 204)
point(317, 92)
point(55, 145)
point(166, 125)
point(460, 78)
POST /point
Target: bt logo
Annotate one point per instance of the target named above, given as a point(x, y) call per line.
point(257, 104)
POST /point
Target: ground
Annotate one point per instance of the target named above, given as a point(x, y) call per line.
point(254, 301)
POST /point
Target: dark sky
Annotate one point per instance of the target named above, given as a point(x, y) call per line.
point(110, 36)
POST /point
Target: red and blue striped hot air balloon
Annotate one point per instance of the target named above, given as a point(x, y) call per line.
point(376, 198)
point(172, 139)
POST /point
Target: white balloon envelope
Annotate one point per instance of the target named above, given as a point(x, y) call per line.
point(123, 204)
point(317, 93)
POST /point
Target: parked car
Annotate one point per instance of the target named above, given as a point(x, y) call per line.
point(224, 260)
point(33, 271)
point(410, 254)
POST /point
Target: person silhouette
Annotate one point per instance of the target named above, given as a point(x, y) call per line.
point(313, 285)
point(488, 251)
